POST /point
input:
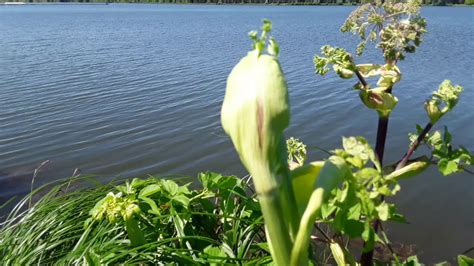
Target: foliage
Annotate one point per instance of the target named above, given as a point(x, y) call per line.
point(449, 159)
point(158, 221)
point(443, 100)
point(219, 222)
point(339, 58)
point(357, 209)
point(348, 191)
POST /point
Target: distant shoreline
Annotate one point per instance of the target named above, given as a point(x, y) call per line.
point(219, 2)
point(50, 3)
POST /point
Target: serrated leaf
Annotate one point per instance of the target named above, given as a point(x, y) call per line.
point(447, 167)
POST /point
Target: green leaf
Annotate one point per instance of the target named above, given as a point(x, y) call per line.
point(333, 172)
point(412, 261)
point(353, 228)
point(181, 199)
point(327, 210)
point(339, 58)
point(359, 147)
point(304, 182)
point(149, 190)
point(464, 260)
point(340, 220)
point(397, 217)
point(369, 70)
point(170, 187)
point(209, 180)
point(447, 167)
point(354, 212)
point(369, 237)
point(216, 256)
point(154, 208)
point(367, 173)
point(134, 233)
point(383, 211)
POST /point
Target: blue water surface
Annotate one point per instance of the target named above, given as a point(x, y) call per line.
point(130, 90)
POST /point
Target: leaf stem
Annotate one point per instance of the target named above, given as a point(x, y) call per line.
point(361, 78)
point(381, 138)
point(414, 146)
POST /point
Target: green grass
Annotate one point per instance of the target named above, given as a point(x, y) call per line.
point(220, 222)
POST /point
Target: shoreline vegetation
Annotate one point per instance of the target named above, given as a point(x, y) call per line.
point(286, 211)
point(244, 2)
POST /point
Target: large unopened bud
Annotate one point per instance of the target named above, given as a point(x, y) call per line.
point(378, 100)
point(254, 114)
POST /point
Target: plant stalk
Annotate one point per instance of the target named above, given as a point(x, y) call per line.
point(367, 258)
point(276, 225)
point(414, 146)
point(361, 78)
point(382, 128)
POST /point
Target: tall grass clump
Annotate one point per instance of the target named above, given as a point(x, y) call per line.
point(219, 222)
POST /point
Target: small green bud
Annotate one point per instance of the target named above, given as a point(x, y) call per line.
point(433, 111)
point(409, 170)
point(443, 100)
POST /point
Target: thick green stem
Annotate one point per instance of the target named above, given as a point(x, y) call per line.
point(272, 194)
point(276, 227)
point(290, 208)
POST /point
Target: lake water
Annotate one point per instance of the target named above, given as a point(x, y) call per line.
point(130, 90)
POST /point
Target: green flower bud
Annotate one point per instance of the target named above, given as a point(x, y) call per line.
point(383, 102)
point(433, 111)
point(254, 114)
point(409, 170)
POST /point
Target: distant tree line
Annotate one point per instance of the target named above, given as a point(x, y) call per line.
point(291, 2)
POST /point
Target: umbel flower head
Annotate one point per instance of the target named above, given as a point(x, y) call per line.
point(256, 111)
